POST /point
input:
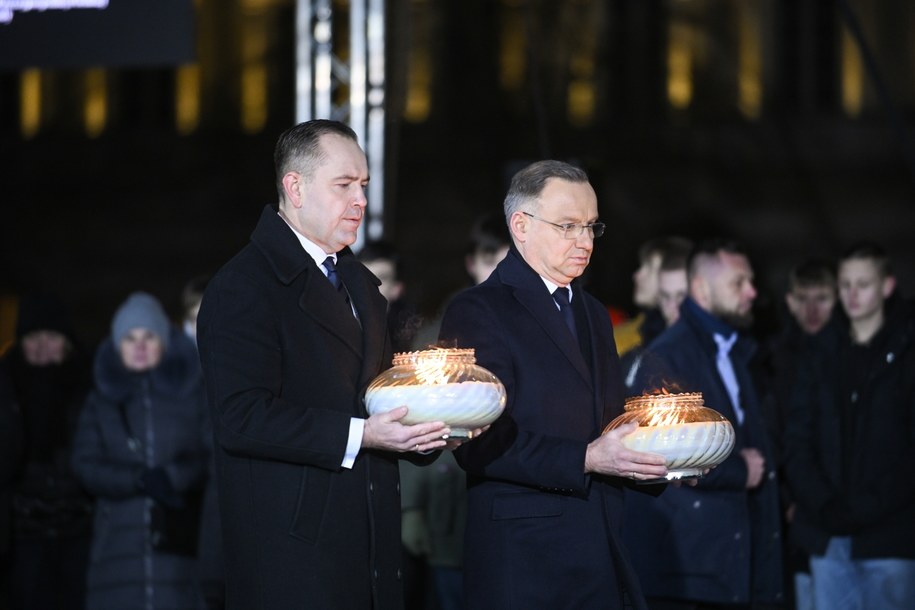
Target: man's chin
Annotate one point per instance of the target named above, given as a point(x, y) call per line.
point(738, 321)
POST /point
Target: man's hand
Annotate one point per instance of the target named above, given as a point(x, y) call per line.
point(756, 466)
point(607, 455)
point(384, 431)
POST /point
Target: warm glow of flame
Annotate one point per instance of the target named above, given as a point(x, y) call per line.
point(663, 415)
point(430, 369)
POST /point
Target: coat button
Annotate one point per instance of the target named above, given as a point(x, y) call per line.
point(371, 487)
point(398, 489)
point(697, 503)
point(738, 536)
point(890, 357)
point(854, 397)
point(375, 573)
point(399, 574)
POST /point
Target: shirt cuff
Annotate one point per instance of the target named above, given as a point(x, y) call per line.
point(354, 441)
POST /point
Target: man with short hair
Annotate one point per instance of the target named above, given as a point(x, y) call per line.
point(716, 543)
point(850, 443)
point(291, 331)
point(544, 485)
point(810, 301)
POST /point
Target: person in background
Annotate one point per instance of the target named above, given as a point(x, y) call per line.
point(718, 543)
point(140, 451)
point(487, 245)
point(383, 260)
point(671, 291)
point(648, 324)
point(810, 301)
point(850, 443)
point(48, 376)
point(544, 485)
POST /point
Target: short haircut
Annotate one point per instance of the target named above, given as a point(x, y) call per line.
point(298, 148)
point(528, 183)
point(674, 251)
point(812, 273)
point(866, 250)
point(710, 249)
point(488, 235)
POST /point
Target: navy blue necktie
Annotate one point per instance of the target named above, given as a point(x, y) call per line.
point(561, 296)
point(331, 267)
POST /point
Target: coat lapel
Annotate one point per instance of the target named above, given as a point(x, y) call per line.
point(531, 293)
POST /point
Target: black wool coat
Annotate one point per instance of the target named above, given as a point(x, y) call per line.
point(286, 365)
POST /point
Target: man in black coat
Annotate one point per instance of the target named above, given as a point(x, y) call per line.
point(850, 443)
point(291, 331)
point(545, 487)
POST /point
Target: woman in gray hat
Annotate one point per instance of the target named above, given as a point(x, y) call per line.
point(140, 451)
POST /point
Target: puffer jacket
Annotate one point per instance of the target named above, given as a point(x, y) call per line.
point(164, 413)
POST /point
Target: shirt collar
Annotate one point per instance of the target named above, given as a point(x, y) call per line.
point(314, 250)
point(551, 287)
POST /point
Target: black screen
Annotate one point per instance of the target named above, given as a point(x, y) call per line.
point(82, 33)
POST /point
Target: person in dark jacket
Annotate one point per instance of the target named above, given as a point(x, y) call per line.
point(291, 332)
point(140, 451)
point(810, 301)
point(545, 486)
point(850, 443)
point(718, 542)
point(49, 377)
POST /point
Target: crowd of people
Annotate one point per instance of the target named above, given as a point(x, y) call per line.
point(236, 467)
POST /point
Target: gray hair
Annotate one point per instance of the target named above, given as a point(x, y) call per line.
point(528, 183)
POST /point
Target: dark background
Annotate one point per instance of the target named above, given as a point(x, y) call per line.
point(141, 206)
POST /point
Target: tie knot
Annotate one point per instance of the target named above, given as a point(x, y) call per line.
point(562, 297)
point(331, 267)
point(725, 343)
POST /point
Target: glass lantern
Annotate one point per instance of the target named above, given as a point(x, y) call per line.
point(690, 436)
point(439, 385)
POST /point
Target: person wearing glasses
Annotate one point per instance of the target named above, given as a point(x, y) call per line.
point(545, 487)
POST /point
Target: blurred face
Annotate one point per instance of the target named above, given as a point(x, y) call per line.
point(328, 207)
point(140, 350)
point(671, 292)
point(480, 265)
point(543, 246)
point(724, 288)
point(811, 306)
point(44, 347)
point(862, 290)
point(645, 280)
point(391, 288)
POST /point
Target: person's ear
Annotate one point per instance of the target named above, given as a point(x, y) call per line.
point(519, 225)
point(889, 284)
point(292, 187)
point(701, 291)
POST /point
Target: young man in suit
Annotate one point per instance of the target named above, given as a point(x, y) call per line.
point(291, 331)
point(545, 487)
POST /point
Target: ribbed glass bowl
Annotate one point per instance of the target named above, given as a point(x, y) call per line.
point(439, 385)
point(690, 436)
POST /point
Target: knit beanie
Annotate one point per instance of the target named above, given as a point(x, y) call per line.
point(140, 310)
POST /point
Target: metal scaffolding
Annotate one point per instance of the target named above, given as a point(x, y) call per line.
point(320, 73)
